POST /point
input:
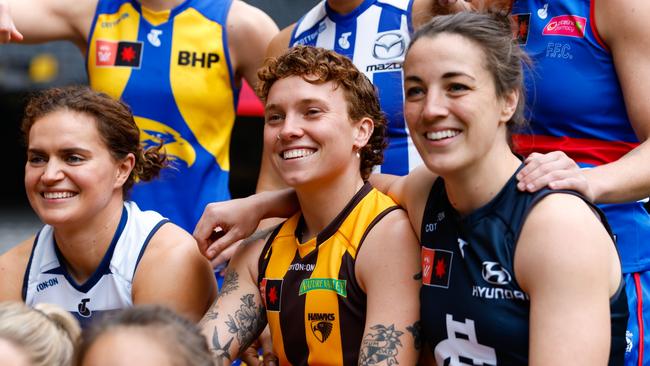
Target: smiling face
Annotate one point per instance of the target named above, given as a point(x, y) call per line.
point(455, 118)
point(70, 175)
point(309, 132)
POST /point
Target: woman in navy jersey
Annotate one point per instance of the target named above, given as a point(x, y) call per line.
point(97, 252)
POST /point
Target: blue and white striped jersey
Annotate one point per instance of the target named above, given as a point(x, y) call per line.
point(374, 36)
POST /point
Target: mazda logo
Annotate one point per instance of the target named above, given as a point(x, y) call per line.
point(389, 46)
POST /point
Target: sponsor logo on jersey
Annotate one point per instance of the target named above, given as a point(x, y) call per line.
point(495, 274)
point(389, 46)
point(344, 41)
point(47, 284)
point(384, 67)
point(118, 53)
point(309, 38)
point(522, 22)
point(197, 59)
point(321, 325)
point(326, 284)
point(497, 293)
point(83, 309)
point(115, 22)
point(271, 290)
point(566, 25)
point(153, 37)
point(178, 150)
point(303, 267)
point(436, 267)
point(559, 50)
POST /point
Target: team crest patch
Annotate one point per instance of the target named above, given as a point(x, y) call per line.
point(436, 267)
point(522, 23)
point(321, 325)
point(271, 291)
point(327, 284)
point(566, 25)
point(118, 53)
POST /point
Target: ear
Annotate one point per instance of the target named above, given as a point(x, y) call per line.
point(509, 105)
point(363, 131)
point(124, 169)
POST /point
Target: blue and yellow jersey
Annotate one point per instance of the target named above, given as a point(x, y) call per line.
point(173, 69)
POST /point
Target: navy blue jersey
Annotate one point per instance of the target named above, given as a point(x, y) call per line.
point(473, 310)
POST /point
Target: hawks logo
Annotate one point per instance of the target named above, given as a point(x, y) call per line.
point(118, 53)
point(321, 325)
point(152, 133)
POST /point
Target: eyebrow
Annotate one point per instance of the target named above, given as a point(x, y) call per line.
point(299, 102)
point(72, 150)
point(447, 75)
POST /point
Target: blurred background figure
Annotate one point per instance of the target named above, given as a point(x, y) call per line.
point(146, 335)
point(41, 336)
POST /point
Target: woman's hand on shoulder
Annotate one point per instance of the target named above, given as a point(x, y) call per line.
point(554, 170)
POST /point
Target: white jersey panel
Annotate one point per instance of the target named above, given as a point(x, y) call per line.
point(109, 288)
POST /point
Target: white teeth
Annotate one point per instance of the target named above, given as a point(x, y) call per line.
point(439, 135)
point(58, 195)
point(296, 153)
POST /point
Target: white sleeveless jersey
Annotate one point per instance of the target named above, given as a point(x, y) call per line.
point(109, 288)
point(374, 36)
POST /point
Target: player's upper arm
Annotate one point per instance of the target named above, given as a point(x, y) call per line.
point(624, 28)
point(13, 264)
point(249, 32)
point(48, 20)
point(172, 272)
point(280, 43)
point(387, 268)
point(237, 316)
point(567, 263)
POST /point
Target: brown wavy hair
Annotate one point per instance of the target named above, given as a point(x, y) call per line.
point(318, 66)
point(114, 121)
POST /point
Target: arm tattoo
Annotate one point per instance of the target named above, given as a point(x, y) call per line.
point(380, 346)
point(416, 331)
point(230, 283)
point(248, 322)
point(220, 353)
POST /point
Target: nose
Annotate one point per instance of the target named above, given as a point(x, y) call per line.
point(52, 172)
point(291, 127)
point(435, 106)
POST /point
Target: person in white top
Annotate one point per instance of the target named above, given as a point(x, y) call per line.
point(97, 253)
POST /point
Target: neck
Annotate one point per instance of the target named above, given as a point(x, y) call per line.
point(474, 186)
point(83, 244)
point(344, 6)
point(160, 5)
point(321, 202)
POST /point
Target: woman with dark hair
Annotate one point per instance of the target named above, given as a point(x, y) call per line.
point(143, 335)
point(508, 277)
point(97, 252)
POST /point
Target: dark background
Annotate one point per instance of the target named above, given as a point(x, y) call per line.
point(16, 84)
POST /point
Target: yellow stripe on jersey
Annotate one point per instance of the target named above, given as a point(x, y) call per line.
point(200, 81)
point(156, 18)
point(112, 80)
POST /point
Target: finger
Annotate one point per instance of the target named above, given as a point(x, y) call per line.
point(224, 242)
point(538, 169)
point(250, 356)
point(16, 35)
point(549, 178)
point(224, 256)
point(577, 184)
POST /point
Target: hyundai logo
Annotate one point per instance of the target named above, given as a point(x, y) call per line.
point(495, 274)
point(389, 46)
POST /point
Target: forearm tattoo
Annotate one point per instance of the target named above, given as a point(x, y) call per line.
point(230, 283)
point(380, 346)
point(248, 322)
point(416, 330)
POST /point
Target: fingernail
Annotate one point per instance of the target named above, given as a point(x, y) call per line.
point(530, 186)
point(520, 186)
